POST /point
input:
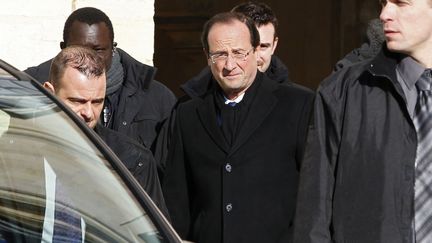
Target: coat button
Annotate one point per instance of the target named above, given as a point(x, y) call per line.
point(228, 207)
point(228, 167)
point(140, 164)
point(124, 123)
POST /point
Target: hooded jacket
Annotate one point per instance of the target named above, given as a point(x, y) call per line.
point(357, 177)
point(375, 38)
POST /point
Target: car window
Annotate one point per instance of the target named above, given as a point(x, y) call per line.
point(5, 75)
point(54, 183)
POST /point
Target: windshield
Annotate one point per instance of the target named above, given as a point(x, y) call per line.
point(54, 183)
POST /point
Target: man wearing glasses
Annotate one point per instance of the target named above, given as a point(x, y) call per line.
point(266, 22)
point(232, 169)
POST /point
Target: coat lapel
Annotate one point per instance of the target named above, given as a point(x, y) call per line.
point(262, 105)
point(207, 114)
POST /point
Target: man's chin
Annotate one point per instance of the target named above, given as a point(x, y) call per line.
point(91, 125)
point(394, 46)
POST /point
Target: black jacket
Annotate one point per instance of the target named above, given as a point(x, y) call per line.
point(357, 177)
point(277, 70)
point(144, 103)
point(138, 160)
point(246, 192)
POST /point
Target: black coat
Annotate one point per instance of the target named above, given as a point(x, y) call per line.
point(138, 160)
point(357, 178)
point(144, 103)
point(243, 193)
point(198, 86)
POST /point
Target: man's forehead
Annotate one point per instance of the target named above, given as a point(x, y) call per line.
point(78, 23)
point(82, 29)
point(233, 24)
point(73, 76)
point(268, 30)
point(268, 24)
point(228, 36)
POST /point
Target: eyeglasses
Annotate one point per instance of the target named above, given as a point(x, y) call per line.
point(220, 57)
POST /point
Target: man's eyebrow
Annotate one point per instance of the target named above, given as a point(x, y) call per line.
point(98, 100)
point(238, 49)
point(76, 99)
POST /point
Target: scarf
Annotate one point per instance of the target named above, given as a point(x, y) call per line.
point(115, 75)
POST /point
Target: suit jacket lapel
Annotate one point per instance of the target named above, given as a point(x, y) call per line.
point(207, 114)
point(262, 105)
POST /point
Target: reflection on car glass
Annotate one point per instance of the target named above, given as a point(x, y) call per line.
point(6, 75)
point(4, 122)
point(21, 98)
point(60, 222)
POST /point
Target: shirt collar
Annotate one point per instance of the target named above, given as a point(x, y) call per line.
point(410, 71)
point(236, 100)
point(245, 98)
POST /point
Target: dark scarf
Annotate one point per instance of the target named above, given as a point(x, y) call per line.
point(231, 118)
point(115, 75)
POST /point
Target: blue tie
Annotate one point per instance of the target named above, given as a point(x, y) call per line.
point(423, 185)
point(232, 103)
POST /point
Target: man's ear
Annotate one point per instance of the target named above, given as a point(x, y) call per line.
point(207, 56)
point(49, 86)
point(275, 42)
point(62, 45)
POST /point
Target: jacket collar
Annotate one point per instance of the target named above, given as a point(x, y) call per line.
point(384, 64)
point(277, 70)
point(198, 85)
point(137, 75)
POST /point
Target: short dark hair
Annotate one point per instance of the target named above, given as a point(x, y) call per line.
point(230, 17)
point(84, 59)
point(89, 16)
point(260, 13)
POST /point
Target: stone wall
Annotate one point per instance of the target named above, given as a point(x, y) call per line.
point(30, 31)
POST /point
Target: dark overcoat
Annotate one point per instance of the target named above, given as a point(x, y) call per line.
point(246, 192)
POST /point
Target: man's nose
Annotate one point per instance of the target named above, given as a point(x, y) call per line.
point(86, 112)
point(230, 63)
point(386, 12)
